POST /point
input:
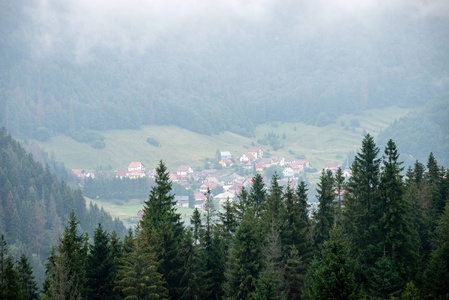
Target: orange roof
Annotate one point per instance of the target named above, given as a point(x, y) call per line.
point(134, 164)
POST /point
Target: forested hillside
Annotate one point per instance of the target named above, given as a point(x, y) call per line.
point(35, 206)
point(374, 235)
point(211, 77)
point(425, 131)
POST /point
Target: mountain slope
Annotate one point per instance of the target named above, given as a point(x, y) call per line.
point(35, 205)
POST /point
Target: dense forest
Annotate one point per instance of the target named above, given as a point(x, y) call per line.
point(376, 235)
point(425, 131)
point(239, 76)
point(35, 205)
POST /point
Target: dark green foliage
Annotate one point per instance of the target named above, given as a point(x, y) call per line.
point(100, 267)
point(10, 284)
point(422, 132)
point(161, 232)
point(332, 277)
point(324, 217)
point(339, 188)
point(270, 282)
point(437, 272)
point(245, 259)
point(385, 281)
point(153, 141)
point(117, 188)
point(399, 239)
point(138, 277)
point(34, 205)
point(295, 234)
point(70, 263)
point(26, 279)
point(257, 195)
point(362, 208)
point(95, 139)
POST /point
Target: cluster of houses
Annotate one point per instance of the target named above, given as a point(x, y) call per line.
point(224, 183)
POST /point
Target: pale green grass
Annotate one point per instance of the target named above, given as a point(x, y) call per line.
point(126, 209)
point(332, 143)
point(319, 145)
point(177, 147)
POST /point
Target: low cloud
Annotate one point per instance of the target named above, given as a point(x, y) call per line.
point(83, 26)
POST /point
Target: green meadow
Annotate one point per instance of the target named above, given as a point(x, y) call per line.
point(319, 145)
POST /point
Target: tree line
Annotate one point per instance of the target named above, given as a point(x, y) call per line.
point(35, 205)
point(377, 235)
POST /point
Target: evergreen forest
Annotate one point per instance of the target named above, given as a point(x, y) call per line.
point(382, 233)
point(210, 77)
point(35, 205)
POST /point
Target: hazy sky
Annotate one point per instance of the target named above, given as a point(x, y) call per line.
point(135, 25)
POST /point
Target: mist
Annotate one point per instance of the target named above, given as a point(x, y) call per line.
point(80, 28)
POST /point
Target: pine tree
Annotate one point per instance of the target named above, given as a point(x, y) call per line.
point(245, 259)
point(138, 277)
point(212, 255)
point(270, 282)
point(162, 232)
point(274, 204)
point(361, 208)
point(10, 281)
point(339, 188)
point(27, 281)
point(324, 217)
point(72, 250)
point(243, 205)
point(100, 270)
point(228, 223)
point(437, 272)
point(296, 241)
point(333, 276)
point(195, 220)
point(257, 196)
point(399, 239)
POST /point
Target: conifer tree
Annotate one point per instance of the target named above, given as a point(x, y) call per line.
point(270, 282)
point(399, 239)
point(100, 270)
point(274, 203)
point(63, 284)
point(324, 217)
point(74, 247)
point(193, 269)
point(339, 188)
point(10, 288)
point(245, 259)
point(362, 208)
point(333, 276)
point(138, 277)
point(195, 220)
point(212, 255)
point(227, 223)
point(243, 205)
point(257, 196)
point(27, 281)
point(437, 272)
point(162, 232)
point(296, 241)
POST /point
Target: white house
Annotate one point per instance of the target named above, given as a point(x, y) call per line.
point(288, 172)
point(225, 155)
point(136, 166)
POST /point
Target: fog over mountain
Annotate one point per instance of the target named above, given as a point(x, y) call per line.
point(71, 66)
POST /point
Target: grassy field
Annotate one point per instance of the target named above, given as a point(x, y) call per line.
point(319, 145)
point(178, 146)
point(126, 209)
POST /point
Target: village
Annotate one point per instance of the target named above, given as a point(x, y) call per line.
point(224, 182)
